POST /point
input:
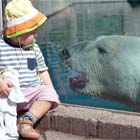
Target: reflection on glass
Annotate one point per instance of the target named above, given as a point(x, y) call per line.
point(70, 26)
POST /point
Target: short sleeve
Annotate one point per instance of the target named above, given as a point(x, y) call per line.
point(41, 65)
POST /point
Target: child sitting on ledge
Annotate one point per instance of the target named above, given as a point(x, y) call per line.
point(18, 50)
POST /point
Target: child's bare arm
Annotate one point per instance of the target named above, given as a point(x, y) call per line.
point(44, 75)
point(5, 87)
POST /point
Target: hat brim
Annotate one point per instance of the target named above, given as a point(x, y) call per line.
point(25, 27)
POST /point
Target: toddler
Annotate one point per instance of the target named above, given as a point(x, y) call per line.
point(19, 51)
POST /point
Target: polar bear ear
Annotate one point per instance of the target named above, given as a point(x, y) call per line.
point(104, 48)
point(106, 45)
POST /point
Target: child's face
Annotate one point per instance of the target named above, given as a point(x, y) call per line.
point(27, 38)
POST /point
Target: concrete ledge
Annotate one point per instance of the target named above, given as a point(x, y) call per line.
point(90, 122)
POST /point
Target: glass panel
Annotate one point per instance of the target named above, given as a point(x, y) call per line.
point(71, 25)
point(67, 41)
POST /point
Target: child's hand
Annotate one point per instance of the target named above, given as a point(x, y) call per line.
point(5, 87)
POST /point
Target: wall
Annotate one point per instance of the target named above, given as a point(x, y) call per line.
point(131, 14)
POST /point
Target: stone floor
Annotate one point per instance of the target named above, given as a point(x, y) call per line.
point(53, 135)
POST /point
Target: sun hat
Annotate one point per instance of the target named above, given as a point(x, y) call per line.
point(20, 17)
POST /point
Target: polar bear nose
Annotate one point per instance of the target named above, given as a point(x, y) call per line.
point(66, 54)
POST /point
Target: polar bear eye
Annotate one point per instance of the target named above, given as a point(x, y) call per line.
point(102, 50)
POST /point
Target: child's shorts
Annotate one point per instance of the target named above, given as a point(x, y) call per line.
point(39, 93)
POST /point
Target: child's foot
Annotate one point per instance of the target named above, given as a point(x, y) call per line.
point(25, 129)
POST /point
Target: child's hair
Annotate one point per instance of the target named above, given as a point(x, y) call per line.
point(21, 17)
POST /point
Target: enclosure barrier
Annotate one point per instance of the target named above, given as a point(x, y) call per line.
point(90, 122)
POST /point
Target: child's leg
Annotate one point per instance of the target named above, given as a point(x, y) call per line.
point(39, 108)
point(41, 100)
point(25, 125)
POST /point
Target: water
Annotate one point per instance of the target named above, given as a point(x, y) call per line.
point(78, 23)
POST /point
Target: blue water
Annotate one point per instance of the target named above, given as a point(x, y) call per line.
point(81, 22)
